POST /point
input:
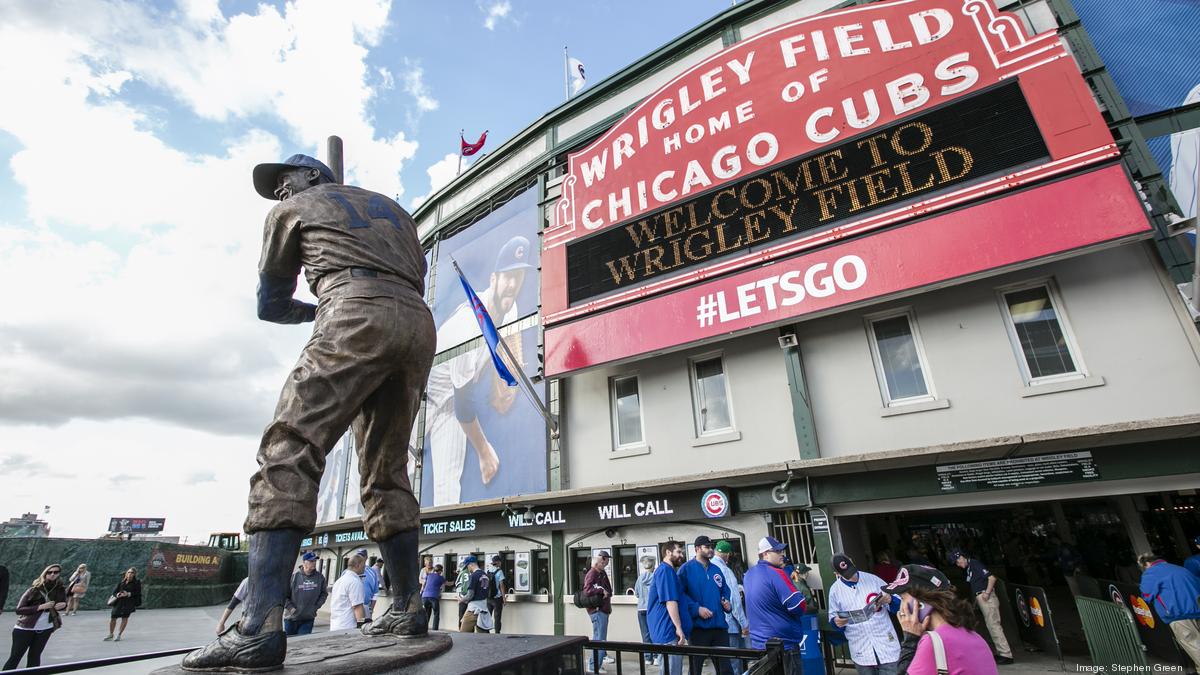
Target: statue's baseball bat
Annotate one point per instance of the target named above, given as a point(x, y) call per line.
point(333, 150)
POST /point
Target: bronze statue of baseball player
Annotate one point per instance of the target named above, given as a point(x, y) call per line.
point(364, 367)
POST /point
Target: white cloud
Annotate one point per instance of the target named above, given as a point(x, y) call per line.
point(440, 174)
point(494, 12)
point(307, 67)
point(92, 478)
point(414, 84)
point(130, 355)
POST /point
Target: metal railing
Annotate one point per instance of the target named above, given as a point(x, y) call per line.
point(767, 661)
point(1111, 635)
point(100, 663)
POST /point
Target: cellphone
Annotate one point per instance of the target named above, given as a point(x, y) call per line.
point(923, 611)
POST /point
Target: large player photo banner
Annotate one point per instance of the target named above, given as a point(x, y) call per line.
point(1150, 51)
point(483, 438)
point(499, 257)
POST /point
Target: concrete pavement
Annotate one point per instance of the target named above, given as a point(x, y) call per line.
point(82, 638)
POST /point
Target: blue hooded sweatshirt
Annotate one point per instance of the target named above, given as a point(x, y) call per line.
point(773, 606)
point(1174, 591)
point(707, 588)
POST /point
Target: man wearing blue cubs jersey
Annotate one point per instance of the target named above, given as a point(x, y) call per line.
point(774, 608)
point(705, 585)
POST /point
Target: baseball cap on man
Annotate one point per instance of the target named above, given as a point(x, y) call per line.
point(514, 255)
point(603, 553)
point(918, 576)
point(703, 540)
point(956, 554)
point(496, 558)
point(470, 559)
point(770, 544)
point(844, 566)
point(266, 176)
point(724, 547)
point(309, 555)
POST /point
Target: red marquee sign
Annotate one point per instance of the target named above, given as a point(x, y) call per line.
point(819, 130)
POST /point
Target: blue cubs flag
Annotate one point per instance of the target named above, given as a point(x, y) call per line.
point(487, 327)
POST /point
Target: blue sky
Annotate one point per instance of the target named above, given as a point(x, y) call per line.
point(134, 378)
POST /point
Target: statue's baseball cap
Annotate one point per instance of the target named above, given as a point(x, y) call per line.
point(770, 544)
point(918, 576)
point(266, 176)
point(843, 565)
point(514, 255)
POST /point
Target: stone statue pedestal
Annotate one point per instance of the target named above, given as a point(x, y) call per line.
point(351, 653)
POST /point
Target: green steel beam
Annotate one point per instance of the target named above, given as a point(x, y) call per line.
point(558, 573)
point(802, 415)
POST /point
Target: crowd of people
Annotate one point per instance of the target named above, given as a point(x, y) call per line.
point(41, 608)
point(699, 602)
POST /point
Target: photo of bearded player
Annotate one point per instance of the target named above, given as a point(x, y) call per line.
point(460, 387)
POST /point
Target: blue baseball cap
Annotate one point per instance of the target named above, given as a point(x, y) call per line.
point(309, 555)
point(770, 544)
point(266, 176)
point(470, 559)
point(513, 256)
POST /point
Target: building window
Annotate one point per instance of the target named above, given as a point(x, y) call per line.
point(1040, 334)
point(899, 358)
point(541, 572)
point(710, 395)
point(626, 411)
point(625, 569)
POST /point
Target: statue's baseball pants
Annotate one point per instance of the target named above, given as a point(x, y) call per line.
point(365, 366)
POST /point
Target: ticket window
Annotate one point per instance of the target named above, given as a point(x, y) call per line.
point(450, 570)
point(508, 564)
point(625, 569)
point(581, 562)
point(541, 572)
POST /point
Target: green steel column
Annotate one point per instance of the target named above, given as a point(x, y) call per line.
point(823, 546)
point(802, 416)
point(558, 572)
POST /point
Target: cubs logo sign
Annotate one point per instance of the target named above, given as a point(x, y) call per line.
point(1022, 608)
point(715, 504)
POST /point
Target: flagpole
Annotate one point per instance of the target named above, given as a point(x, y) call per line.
point(566, 74)
point(525, 385)
point(460, 144)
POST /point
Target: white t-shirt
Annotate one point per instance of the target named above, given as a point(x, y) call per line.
point(348, 591)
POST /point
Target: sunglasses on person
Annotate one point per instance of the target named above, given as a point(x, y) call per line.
point(52, 572)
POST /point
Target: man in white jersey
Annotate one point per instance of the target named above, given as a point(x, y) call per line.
point(458, 388)
point(859, 606)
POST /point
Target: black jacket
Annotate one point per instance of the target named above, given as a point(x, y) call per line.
point(126, 606)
